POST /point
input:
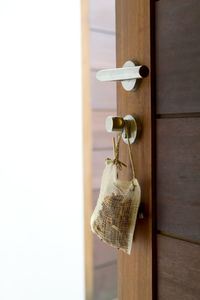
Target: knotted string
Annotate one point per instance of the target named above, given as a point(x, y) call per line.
point(116, 160)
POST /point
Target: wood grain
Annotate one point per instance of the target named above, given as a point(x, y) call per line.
point(103, 94)
point(99, 165)
point(178, 180)
point(177, 56)
point(87, 156)
point(101, 138)
point(178, 269)
point(102, 15)
point(133, 32)
point(106, 283)
point(102, 48)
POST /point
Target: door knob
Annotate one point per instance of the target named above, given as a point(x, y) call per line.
point(114, 124)
point(128, 75)
point(129, 126)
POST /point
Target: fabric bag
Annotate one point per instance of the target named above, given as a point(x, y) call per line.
point(115, 214)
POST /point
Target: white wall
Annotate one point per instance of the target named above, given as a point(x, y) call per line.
point(41, 207)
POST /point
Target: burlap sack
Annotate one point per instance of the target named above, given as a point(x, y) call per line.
point(115, 214)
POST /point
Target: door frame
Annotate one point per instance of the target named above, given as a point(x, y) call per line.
point(134, 22)
point(87, 150)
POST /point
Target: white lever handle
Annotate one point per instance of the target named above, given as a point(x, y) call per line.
point(128, 75)
point(121, 73)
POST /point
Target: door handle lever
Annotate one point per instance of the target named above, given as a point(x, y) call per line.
point(128, 75)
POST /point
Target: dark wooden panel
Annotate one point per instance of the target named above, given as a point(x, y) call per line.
point(102, 15)
point(101, 138)
point(103, 94)
point(177, 56)
point(102, 50)
point(98, 166)
point(178, 176)
point(103, 254)
point(105, 283)
point(178, 269)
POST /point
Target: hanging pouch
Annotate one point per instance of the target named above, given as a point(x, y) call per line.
point(115, 214)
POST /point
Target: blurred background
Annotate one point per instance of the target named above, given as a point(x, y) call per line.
point(41, 189)
point(103, 103)
point(41, 147)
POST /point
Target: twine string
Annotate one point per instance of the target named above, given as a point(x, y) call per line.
point(116, 160)
point(129, 150)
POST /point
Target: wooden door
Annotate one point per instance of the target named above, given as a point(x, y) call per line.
point(164, 35)
point(178, 148)
point(133, 42)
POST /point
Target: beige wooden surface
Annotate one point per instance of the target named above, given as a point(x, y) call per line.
point(133, 32)
point(87, 155)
